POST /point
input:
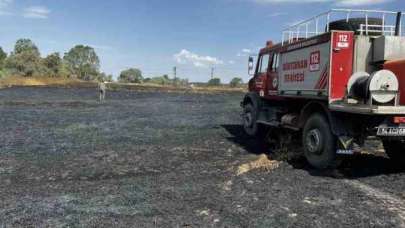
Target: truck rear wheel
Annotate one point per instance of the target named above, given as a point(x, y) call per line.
point(395, 151)
point(250, 125)
point(319, 143)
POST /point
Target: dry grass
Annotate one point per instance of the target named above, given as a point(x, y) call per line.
point(13, 81)
point(41, 81)
point(262, 163)
point(219, 89)
point(172, 88)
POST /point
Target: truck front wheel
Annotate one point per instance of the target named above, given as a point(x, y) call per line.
point(319, 143)
point(395, 151)
point(250, 124)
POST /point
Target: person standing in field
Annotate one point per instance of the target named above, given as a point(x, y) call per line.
point(102, 90)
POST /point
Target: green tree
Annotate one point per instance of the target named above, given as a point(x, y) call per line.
point(25, 45)
point(64, 70)
point(83, 62)
point(103, 77)
point(161, 80)
point(184, 82)
point(110, 78)
point(24, 64)
point(131, 75)
point(214, 82)
point(3, 56)
point(25, 60)
point(235, 82)
point(53, 63)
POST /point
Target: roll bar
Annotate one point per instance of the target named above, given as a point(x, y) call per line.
point(391, 24)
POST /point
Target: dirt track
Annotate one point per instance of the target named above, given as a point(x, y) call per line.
point(170, 160)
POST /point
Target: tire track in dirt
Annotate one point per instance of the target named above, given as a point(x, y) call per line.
point(389, 201)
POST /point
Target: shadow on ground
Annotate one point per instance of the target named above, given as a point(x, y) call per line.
point(251, 144)
point(353, 167)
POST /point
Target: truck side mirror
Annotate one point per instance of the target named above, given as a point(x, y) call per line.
point(250, 65)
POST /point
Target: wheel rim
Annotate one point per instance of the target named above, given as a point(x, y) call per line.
point(314, 141)
point(248, 120)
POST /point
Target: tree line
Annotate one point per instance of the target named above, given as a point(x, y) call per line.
point(235, 82)
point(25, 60)
point(134, 75)
point(80, 62)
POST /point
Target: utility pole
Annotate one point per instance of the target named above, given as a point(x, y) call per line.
point(212, 72)
point(174, 74)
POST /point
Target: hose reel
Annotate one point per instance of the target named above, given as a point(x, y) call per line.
point(381, 87)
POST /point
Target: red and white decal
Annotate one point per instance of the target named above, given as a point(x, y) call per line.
point(315, 61)
point(323, 80)
point(343, 41)
point(305, 70)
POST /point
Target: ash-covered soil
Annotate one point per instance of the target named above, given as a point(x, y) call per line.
point(171, 160)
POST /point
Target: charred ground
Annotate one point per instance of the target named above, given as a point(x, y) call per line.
point(155, 159)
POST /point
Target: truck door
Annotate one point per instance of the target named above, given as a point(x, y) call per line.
point(273, 78)
point(261, 75)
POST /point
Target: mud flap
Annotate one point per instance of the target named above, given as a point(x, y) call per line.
point(345, 145)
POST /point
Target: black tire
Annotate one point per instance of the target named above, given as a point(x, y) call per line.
point(395, 150)
point(354, 25)
point(319, 143)
point(250, 125)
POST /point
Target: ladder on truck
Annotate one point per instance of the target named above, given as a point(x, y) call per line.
point(320, 24)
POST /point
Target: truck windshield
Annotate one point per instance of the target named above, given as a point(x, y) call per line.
point(264, 63)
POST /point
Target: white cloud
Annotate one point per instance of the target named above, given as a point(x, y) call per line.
point(186, 57)
point(5, 2)
point(335, 2)
point(36, 12)
point(360, 2)
point(231, 62)
point(277, 14)
point(101, 47)
point(4, 7)
point(244, 52)
point(290, 1)
point(292, 23)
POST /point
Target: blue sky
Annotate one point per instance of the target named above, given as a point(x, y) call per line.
point(155, 35)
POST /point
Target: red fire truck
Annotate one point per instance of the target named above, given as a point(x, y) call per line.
point(337, 78)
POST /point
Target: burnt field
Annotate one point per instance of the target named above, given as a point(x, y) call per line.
point(155, 159)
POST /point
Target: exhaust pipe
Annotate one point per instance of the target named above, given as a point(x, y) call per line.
point(398, 24)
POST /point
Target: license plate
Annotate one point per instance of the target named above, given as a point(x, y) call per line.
point(391, 131)
point(345, 152)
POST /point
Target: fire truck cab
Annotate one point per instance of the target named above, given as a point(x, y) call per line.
point(337, 78)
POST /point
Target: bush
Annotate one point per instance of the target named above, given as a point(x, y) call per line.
point(180, 82)
point(26, 61)
point(214, 82)
point(162, 80)
point(131, 75)
point(25, 64)
point(103, 77)
point(3, 56)
point(165, 80)
point(236, 82)
point(3, 73)
point(53, 63)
